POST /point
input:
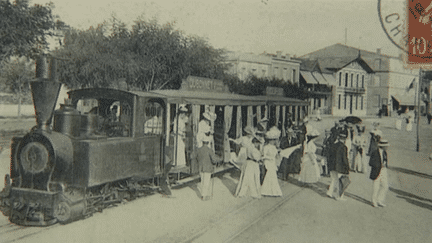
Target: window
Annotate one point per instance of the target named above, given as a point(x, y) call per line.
point(361, 102)
point(345, 102)
point(293, 76)
point(357, 83)
point(356, 107)
point(352, 79)
point(340, 79)
point(153, 112)
point(339, 102)
point(346, 79)
point(362, 81)
point(253, 69)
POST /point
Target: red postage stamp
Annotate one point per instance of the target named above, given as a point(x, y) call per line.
point(419, 33)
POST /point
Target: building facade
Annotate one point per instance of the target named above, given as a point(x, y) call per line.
point(337, 86)
point(387, 84)
point(264, 66)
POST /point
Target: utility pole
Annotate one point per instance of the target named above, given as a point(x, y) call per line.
point(418, 108)
point(346, 30)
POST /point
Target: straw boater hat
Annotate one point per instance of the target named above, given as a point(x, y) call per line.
point(273, 133)
point(210, 116)
point(383, 143)
point(377, 132)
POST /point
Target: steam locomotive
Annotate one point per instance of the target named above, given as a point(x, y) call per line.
point(104, 146)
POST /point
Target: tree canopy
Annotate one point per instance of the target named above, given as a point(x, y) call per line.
point(148, 56)
point(24, 28)
point(257, 86)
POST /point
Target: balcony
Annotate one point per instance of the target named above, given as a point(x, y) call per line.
point(356, 90)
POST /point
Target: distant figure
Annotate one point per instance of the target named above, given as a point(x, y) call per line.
point(429, 117)
point(410, 122)
point(318, 115)
point(379, 164)
point(113, 114)
point(399, 120)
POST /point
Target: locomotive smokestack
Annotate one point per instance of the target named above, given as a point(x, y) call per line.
point(45, 92)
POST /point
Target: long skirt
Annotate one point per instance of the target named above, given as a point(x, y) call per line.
point(399, 124)
point(206, 188)
point(310, 172)
point(270, 186)
point(181, 155)
point(249, 182)
point(409, 126)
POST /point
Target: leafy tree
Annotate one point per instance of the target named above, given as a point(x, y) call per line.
point(24, 28)
point(257, 86)
point(16, 74)
point(149, 56)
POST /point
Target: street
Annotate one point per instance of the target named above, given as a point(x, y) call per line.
point(303, 214)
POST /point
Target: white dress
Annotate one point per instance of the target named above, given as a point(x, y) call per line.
point(410, 124)
point(270, 186)
point(249, 182)
point(180, 136)
point(310, 171)
point(203, 128)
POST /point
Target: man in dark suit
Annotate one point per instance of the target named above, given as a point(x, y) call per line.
point(337, 165)
point(379, 164)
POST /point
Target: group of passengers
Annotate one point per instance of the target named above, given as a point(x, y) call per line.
point(277, 156)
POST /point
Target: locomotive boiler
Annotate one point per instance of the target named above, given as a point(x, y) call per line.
point(87, 159)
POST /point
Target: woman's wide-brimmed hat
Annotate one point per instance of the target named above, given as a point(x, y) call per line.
point(183, 108)
point(383, 143)
point(273, 133)
point(210, 116)
point(249, 130)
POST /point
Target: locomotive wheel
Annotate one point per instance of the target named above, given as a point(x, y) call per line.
point(62, 212)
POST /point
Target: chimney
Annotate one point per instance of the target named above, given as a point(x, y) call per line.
point(279, 54)
point(45, 92)
point(378, 51)
point(287, 56)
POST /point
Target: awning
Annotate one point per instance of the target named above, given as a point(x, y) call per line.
point(330, 79)
point(404, 100)
point(308, 77)
point(320, 78)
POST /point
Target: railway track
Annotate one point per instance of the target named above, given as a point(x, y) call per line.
point(229, 226)
point(10, 232)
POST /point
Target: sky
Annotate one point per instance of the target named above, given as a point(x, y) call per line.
point(295, 27)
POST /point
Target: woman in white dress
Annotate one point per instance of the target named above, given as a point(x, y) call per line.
point(205, 129)
point(270, 186)
point(249, 182)
point(244, 142)
point(360, 143)
point(410, 123)
point(180, 135)
point(310, 171)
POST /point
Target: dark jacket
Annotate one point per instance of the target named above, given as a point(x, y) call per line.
point(376, 164)
point(207, 159)
point(284, 143)
point(338, 158)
